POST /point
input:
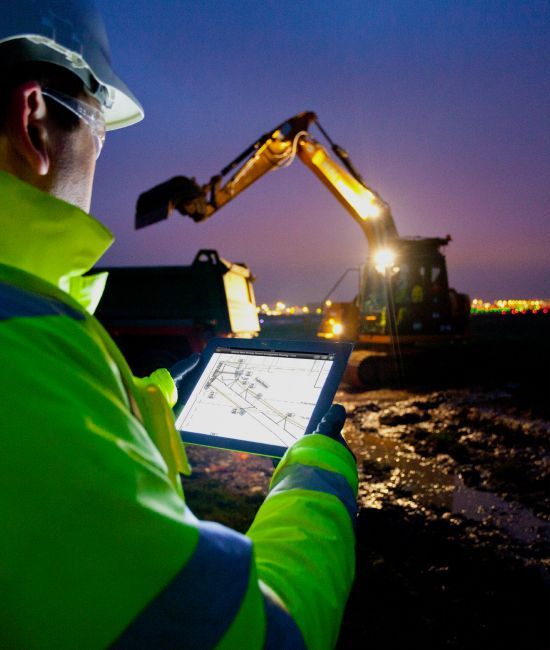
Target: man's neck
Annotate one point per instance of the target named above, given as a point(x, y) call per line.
point(46, 236)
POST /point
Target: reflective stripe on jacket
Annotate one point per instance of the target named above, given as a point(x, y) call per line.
point(97, 545)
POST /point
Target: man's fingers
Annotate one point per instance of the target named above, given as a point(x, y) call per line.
point(185, 366)
point(332, 421)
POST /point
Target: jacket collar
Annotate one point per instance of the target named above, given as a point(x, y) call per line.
point(51, 239)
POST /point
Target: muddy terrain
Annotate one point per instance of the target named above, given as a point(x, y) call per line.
point(453, 527)
point(453, 532)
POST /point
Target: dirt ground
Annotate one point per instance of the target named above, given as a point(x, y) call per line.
point(453, 529)
point(453, 533)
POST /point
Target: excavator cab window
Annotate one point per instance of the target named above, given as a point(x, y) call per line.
point(407, 284)
point(372, 301)
point(437, 282)
point(415, 290)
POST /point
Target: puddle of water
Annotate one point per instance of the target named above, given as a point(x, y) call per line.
point(517, 521)
point(432, 487)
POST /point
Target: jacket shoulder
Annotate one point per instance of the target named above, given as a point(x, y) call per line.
point(20, 302)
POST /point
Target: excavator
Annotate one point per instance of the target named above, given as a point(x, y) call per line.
point(404, 308)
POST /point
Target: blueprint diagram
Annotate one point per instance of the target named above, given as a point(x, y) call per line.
point(253, 397)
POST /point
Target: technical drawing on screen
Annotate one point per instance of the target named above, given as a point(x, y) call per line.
point(262, 396)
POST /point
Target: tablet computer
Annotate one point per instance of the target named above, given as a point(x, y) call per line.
point(258, 395)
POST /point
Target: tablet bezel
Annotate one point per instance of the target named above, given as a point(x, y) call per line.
point(341, 351)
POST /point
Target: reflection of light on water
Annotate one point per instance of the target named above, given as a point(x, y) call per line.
point(432, 487)
point(483, 506)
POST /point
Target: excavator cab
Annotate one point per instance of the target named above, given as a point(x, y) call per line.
point(405, 294)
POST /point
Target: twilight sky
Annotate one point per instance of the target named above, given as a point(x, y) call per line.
point(443, 105)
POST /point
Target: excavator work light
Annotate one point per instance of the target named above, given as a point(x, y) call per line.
point(384, 259)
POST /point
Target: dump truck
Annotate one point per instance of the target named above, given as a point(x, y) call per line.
point(405, 308)
point(160, 314)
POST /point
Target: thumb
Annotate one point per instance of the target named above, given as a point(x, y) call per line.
point(185, 366)
point(333, 421)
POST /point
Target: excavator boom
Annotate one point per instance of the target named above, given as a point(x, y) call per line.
point(404, 296)
point(272, 151)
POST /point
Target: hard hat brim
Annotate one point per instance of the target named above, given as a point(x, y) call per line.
point(124, 108)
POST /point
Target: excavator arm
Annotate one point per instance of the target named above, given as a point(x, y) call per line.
point(272, 151)
point(378, 316)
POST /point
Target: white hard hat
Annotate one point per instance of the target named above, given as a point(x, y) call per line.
point(71, 34)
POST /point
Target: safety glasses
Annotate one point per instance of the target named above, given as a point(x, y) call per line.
point(89, 114)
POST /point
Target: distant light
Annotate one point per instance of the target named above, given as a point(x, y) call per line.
point(280, 305)
point(261, 321)
point(328, 303)
point(510, 306)
point(337, 328)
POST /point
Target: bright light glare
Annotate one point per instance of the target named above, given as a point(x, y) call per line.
point(337, 328)
point(384, 259)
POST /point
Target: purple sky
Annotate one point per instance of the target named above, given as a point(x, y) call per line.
point(444, 106)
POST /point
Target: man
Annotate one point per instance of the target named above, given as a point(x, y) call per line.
point(98, 547)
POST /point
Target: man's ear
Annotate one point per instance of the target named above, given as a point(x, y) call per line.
point(28, 128)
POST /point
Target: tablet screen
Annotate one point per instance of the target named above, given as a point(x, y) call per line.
point(256, 395)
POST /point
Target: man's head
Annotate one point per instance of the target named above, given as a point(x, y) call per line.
point(42, 141)
point(58, 93)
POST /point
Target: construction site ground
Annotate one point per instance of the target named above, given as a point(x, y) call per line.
point(453, 529)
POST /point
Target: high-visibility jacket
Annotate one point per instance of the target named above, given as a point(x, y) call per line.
point(97, 545)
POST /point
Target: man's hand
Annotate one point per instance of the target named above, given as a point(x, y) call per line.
point(331, 426)
point(183, 374)
point(332, 423)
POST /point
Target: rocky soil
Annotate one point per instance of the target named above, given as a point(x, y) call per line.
point(453, 528)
